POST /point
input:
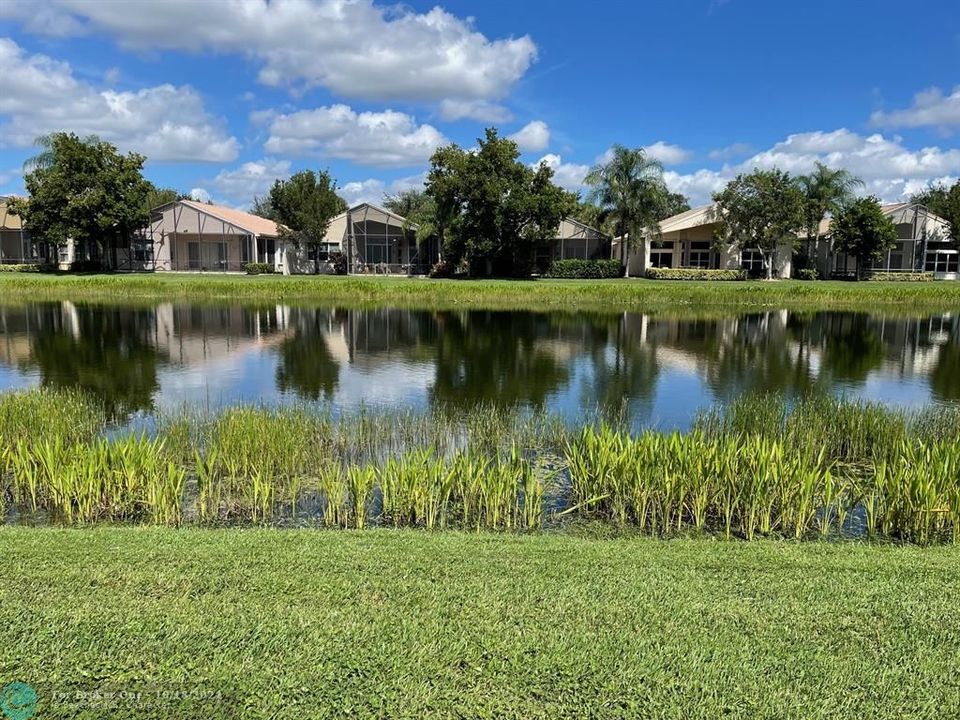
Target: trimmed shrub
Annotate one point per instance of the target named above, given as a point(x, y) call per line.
point(901, 276)
point(258, 268)
point(442, 269)
point(695, 274)
point(592, 269)
point(808, 274)
point(338, 261)
point(26, 268)
point(86, 266)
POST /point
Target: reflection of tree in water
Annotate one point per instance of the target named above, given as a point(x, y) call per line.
point(306, 365)
point(107, 351)
point(852, 347)
point(503, 357)
point(623, 363)
point(945, 376)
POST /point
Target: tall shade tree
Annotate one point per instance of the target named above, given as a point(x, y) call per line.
point(945, 202)
point(85, 191)
point(762, 210)
point(864, 231)
point(418, 209)
point(631, 193)
point(825, 192)
point(161, 196)
point(303, 207)
point(494, 209)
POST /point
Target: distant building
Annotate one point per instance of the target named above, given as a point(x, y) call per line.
point(688, 240)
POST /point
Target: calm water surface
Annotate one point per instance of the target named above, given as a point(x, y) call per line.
point(138, 359)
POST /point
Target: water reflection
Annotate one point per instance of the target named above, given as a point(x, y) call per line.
point(138, 358)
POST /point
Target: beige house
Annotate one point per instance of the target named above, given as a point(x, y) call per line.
point(15, 245)
point(923, 244)
point(687, 240)
point(374, 240)
point(201, 237)
point(574, 241)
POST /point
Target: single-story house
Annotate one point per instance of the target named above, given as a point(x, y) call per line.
point(923, 244)
point(15, 245)
point(195, 236)
point(574, 241)
point(687, 240)
point(376, 240)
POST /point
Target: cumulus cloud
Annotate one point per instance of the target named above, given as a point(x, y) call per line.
point(668, 154)
point(889, 169)
point(251, 179)
point(930, 108)
point(731, 151)
point(356, 49)
point(372, 190)
point(479, 110)
point(532, 137)
point(200, 194)
point(386, 138)
point(567, 175)
point(165, 122)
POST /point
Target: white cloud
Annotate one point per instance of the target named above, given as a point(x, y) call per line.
point(930, 108)
point(356, 49)
point(41, 95)
point(731, 151)
point(567, 175)
point(889, 169)
point(479, 110)
point(386, 138)
point(251, 179)
point(532, 137)
point(372, 190)
point(200, 194)
point(668, 154)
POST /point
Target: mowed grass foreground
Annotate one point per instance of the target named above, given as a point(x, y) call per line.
point(150, 622)
point(628, 293)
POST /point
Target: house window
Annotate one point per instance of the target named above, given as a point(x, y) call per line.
point(661, 258)
point(142, 251)
point(575, 249)
point(378, 252)
point(193, 253)
point(751, 260)
point(942, 262)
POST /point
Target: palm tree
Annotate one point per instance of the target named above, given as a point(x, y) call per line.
point(629, 189)
point(825, 192)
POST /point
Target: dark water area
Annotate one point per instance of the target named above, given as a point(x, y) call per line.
point(662, 369)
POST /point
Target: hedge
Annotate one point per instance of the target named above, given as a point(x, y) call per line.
point(902, 276)
point(695, 274)
point(28, 268)
point(258, 268)
point(584, 269)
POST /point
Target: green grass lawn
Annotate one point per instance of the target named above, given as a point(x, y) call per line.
point(304, 624)
point(609, 295)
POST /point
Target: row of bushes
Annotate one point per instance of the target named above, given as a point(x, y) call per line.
point(25, 268)
point(902, 276)
point(695, 274)
point(585, 269)
point(258, 268)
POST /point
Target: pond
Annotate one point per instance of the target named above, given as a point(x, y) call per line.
point(661, 368)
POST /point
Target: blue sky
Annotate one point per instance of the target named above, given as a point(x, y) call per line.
point(225, 96)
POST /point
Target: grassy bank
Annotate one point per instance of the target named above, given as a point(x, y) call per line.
point(399, 624)
point(494, 294)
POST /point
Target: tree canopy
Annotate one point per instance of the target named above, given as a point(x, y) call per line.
point(418, 208)
point(945, 202)
point(825, 192)
point(864, 231)
point(631, 194)
point(83, 190)
point(490, 209)
point(303, 206)
point(762, 210)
